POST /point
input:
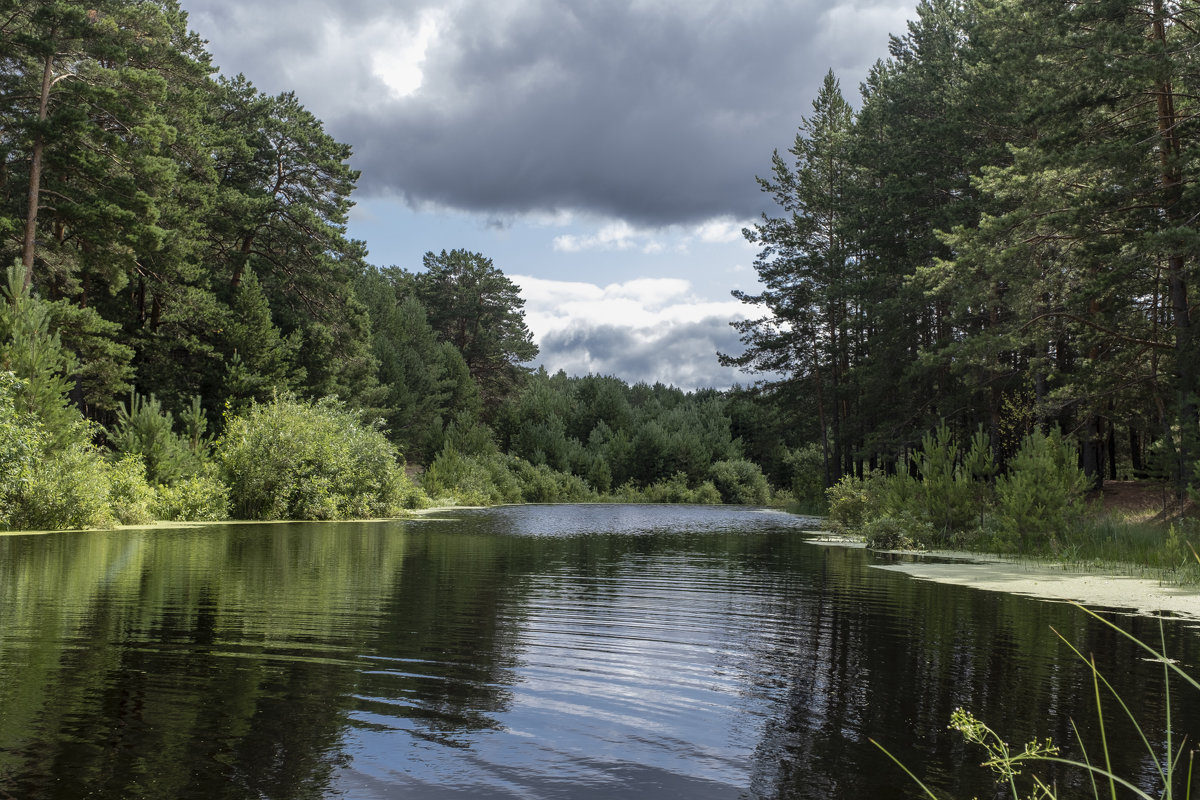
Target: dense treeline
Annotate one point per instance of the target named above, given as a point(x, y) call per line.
point(189, 333)
point(1003, 235)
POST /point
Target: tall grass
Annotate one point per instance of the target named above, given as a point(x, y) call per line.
point(1016, 768)
point(1164, 552)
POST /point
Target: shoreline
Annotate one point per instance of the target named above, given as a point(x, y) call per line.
point(1062, 583)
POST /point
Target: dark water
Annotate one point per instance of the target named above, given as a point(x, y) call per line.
point(533, 652)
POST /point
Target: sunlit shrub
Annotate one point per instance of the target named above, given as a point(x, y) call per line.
point(706, 494)
point(131, 499)
point(494, 479)
point(853, 501)
point(669, 490)
point(66, 489)
point(289, 459)
point(145, 429)
point(200, 498)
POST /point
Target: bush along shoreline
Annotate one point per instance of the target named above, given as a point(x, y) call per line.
point(953, 497)
point(284, 459)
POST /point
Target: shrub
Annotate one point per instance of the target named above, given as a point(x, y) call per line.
point(131, 499)
point(289, 459)
point(953, 489)
point(668, 490)
point(67, 489)
point(200, 498)
point(495, 478)
point(903, 532)
point(706, 494)
point(453, 478)
point(1043, 491)
point(20, 447)
point(807, 468)
point(741, 482)
point(854, 501)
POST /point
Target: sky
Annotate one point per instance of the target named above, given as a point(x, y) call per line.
point(602, 153)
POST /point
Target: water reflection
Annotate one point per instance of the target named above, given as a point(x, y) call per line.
point(534, 652)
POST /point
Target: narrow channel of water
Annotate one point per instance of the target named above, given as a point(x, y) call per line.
point(530, 652)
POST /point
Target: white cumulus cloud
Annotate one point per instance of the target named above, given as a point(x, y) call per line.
point(648, 329)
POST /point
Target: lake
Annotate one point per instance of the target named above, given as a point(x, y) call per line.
point(590, 651)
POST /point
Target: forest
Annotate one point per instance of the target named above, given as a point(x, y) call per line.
point(188, 332)
point(997, 242)
point(1002, 236)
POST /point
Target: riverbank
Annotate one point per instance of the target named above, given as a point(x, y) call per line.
point(1058, 583)
point(1063, 582)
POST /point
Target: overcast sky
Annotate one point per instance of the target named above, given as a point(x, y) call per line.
point(602, 152)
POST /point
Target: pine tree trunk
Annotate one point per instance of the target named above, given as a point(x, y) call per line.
point(35, 176)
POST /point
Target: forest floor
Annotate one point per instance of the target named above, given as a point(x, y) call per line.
point(1144, 501)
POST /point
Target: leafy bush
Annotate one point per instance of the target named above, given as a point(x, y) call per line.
point(669, 490)
point(66, 489)
point(903, 532)
point(854, 501)
point(456, 479)
point(200, 498)
point(807, 468)
point(1043, 491)
point(131, 499)
point(492, 479)
point(20, 447)
point(741, 482)
point(289, 459)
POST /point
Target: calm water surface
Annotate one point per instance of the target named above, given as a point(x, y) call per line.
point(529, 652)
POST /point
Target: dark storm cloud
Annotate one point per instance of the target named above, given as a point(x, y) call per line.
point(653, 111)
point(683, 354)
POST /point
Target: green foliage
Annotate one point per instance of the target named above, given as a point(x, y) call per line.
point(854, 501)
point(103, 371)
point(146, 430)
point(68, 489)
point(740, 482)
point(34, 354)
point(21, 446)
point(199, 498)
point(131, 499)
point(468, 435)
point(674, 489)
point(472, 305)
point(426, 380)
point(954, 488)
point(264, 360)
point(1043, 490)
point(903, 532)
point(289, 459)
point(493, 479)
point(806, 466)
